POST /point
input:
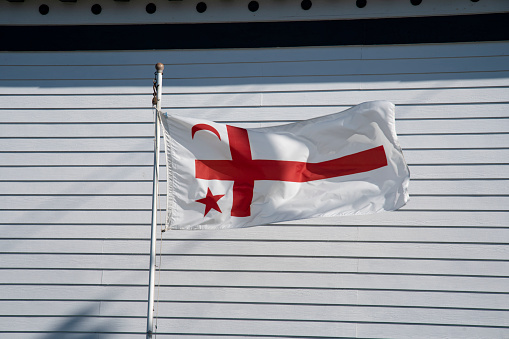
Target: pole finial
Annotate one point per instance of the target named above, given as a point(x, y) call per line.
point(159, 67)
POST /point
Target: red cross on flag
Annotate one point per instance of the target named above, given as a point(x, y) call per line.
point(222, 176)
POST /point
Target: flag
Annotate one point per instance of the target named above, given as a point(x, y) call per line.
point(223, 176)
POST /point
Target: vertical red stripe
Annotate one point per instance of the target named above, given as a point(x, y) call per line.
point(243, 185)
point(239, 143)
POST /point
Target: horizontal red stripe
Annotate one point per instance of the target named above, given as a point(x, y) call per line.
point(293, 171)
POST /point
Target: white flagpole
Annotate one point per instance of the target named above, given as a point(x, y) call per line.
point(155, 193)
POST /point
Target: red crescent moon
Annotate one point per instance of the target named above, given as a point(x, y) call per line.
point(204, 127)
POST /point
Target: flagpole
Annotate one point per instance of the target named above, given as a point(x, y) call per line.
point(155, 193)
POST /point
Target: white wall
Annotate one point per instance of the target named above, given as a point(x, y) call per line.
point(75, 178)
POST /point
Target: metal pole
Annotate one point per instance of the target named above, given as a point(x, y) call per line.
point(155, 193)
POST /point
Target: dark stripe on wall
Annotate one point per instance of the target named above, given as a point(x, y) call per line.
point(414, 30)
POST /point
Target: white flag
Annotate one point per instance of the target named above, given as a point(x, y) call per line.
point(221, 176)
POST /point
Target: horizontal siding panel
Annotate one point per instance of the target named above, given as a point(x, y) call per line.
point(88, 202)
point(452, 126)
point(453, 50)
point(339, 297)
point(125, 144)
point(325, 331)
point(76, 292)
point(431, 234)
point(347, 314)
point(122, 144)
point(271, 312)
point(122, 203)
point(406, 331)
point(430, 96)
point(56, 276)
point(115, 188)
point(74, 261)
point(78, 335)
point(269, 296)
point(477, 203)
point(79, 159)
point(99, 101)
point(145, 115)
point(454, 141)
point(92, 231)
point(474, 156)
point(269, 248)
point(459, 187)
point(75, 217)
point(144, 187)
point(325, 82)
point(258, 83)
point(438, 233)
point(76, 174)
point(63, 246)
point(76, 115)
point(398, 97)
point(309, 265)
point(71, 323)
point(292, 280)
point(403, 250)
point(46, 308)
point(257, 279)
point(434, 299)
point(459, 171)
point(254, 69)
point(133, 130)
point(433, 267)
point(180, 327)
point(418, 51)
point(408, 218)
point(242, 328)
point(76, 308)
point(367, 66)
point(77, 130)
point(413, 157)
point(88, 173)
point(168, 294)
point(291, 113)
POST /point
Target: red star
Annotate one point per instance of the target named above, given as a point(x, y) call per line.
point(210, 201)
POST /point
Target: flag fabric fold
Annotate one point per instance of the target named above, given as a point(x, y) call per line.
point(223, 176)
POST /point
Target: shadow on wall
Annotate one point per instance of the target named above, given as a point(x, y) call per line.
point(74, 327)
point(82, 325)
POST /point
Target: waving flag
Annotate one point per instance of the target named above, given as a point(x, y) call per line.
point(222, 176)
